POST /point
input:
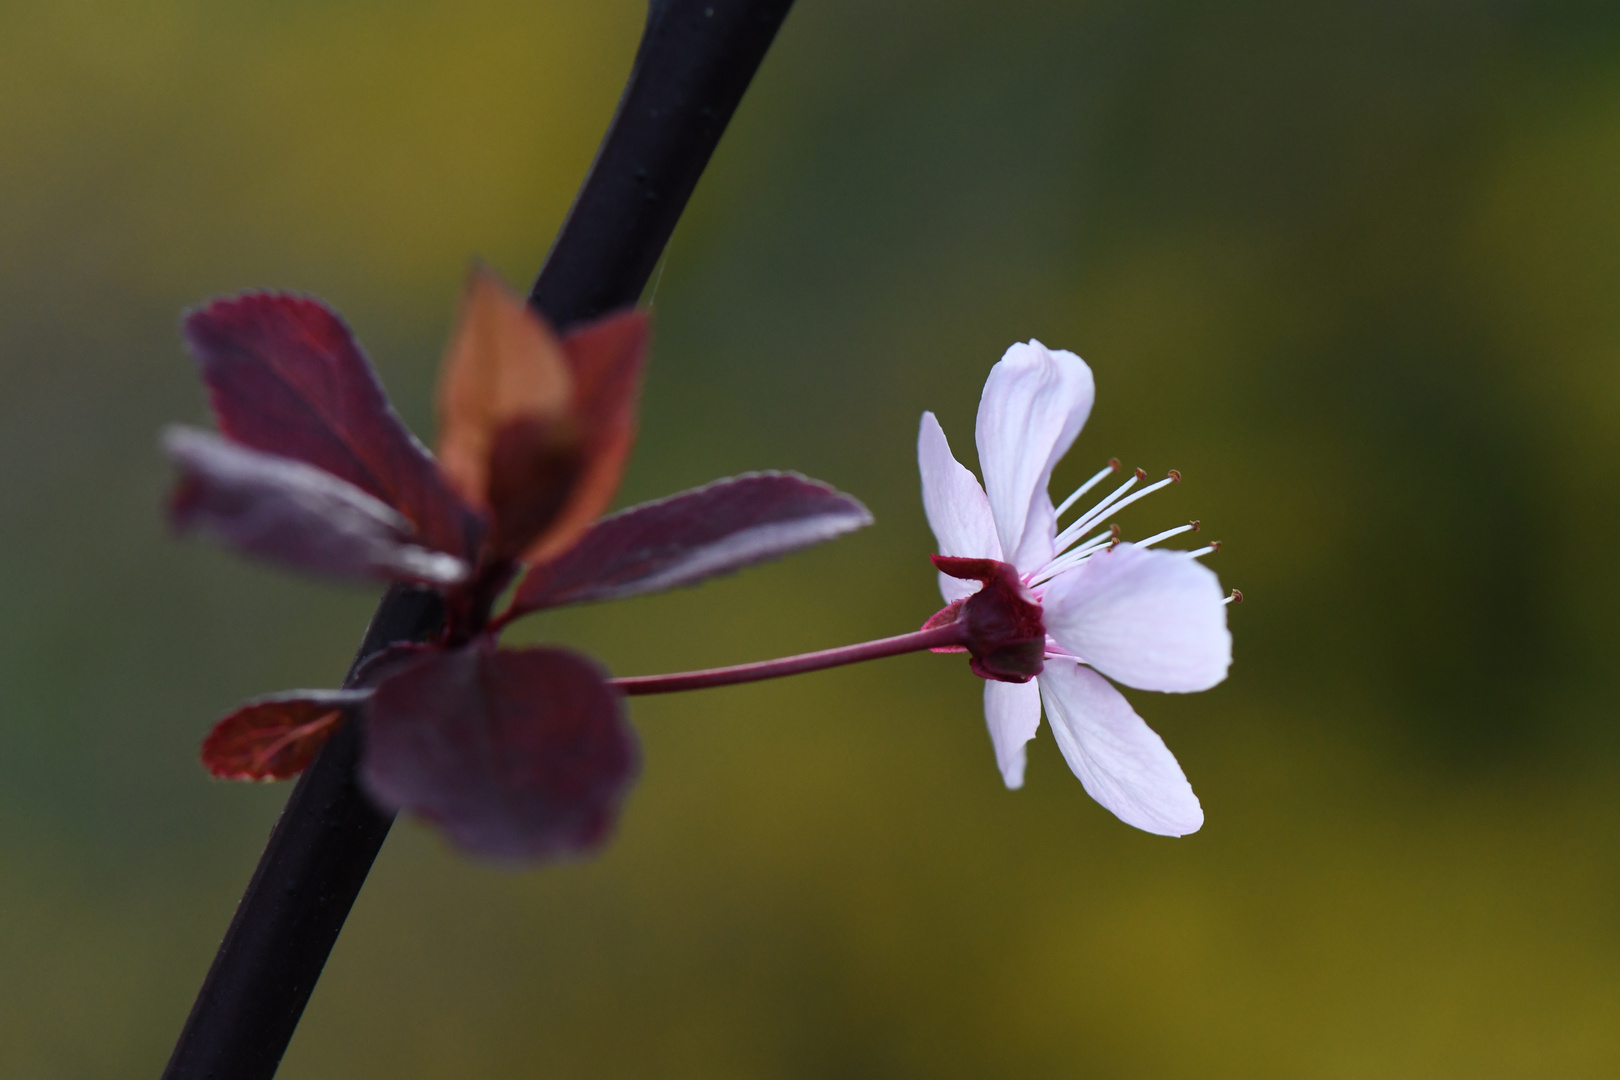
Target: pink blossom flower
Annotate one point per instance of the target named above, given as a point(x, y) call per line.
point(1148, 619)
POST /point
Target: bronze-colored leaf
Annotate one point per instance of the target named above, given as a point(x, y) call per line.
point(606, 358)
point(504, 364)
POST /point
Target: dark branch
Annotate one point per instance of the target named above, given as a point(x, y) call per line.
point(696, 60)
point(306, 882)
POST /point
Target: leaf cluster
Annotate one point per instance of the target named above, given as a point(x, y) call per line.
point(514, 753)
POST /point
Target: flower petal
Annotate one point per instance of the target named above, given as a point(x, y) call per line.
point(1013, 713)
point(956, 506)
point(1120, 761)
point(1035, 402)
point(1154, 620)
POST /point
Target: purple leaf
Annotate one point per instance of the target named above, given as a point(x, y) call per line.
point(694, 535)
point(295, 513)
point(286, 377)
point(518, 754)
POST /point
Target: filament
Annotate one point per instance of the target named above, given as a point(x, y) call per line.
point(1111, 467)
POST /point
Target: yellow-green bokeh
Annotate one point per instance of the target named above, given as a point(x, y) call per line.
point(1354, 268)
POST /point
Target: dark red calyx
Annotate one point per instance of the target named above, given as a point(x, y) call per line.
point(1005, 634)
point(945, 616)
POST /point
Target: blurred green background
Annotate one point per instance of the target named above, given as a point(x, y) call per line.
point(1352, 267)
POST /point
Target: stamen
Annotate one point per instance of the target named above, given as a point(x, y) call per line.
point(1191, 526)
point(1111, 467)
point(1069, 559)
point(1235, 598)
point(1078, 554)
point(1065, 562)
point(1082, 524)
point(1074, 558)
point(1112, 504)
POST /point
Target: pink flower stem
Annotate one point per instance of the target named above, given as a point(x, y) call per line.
point(938, 638)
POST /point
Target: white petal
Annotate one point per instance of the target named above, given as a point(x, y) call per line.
point(956, 506)
point(1151, 619)
point(1013, 713)
point(1120, 761)
point(1035, 402)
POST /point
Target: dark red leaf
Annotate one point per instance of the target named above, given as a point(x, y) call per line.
point(295, 513)
point(688, 537)
point(534, 468)
point(1006, 635)
point(286, 377)
point(367, 673)
point(518, 754)
point(276, 737)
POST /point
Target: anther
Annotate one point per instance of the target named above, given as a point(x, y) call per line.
point(1214, 546)
point(1175, 476)
point(1113, 464)
point(1113, 537)
point(1194, 523)
point(1235, 598)
point(1141, 474)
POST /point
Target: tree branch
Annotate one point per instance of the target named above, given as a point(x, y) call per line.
point(696, 59)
